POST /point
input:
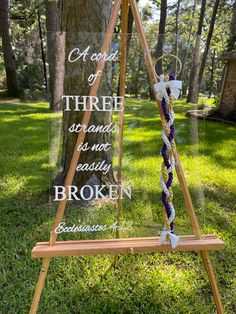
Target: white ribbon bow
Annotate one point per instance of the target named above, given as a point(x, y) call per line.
point(161, 88)
point(174, 239)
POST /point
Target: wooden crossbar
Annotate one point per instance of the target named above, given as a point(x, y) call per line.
point(123, 246)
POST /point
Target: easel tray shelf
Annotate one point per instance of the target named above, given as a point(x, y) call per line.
point(122, 246)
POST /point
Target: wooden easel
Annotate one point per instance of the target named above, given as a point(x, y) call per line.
point(197, 242)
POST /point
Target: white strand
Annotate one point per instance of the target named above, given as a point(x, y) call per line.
point(165, 140)
point(167, 99)
point(172, 216)
point(172, 162)
point(164, 187)
point(172, 117)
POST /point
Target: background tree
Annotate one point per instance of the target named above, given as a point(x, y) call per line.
point(207, 45)
point(42, 48)
point(56, 54)
point(177, 34)
point(85, 27)
point(211, 85)
point(25, 38)
point(182, 20)
point(161, 35)
point(189, 36)
point(7, 50)
point(193, 80)
point(232, 37)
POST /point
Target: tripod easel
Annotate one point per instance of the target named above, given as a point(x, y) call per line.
point(198, 242)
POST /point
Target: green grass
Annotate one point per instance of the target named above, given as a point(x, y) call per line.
point(147, 283)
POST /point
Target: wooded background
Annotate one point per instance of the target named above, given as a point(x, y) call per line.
point(37, 37)
point(33, 43)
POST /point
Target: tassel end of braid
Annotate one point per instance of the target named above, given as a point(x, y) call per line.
point(168, 236)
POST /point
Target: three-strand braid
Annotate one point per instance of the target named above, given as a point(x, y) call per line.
point(167, 152)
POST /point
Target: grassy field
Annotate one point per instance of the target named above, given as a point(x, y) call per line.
point(148, 283)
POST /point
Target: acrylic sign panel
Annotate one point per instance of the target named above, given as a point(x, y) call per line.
point(92, 199)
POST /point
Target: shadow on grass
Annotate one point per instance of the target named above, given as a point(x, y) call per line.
point(9, 108)
point(207, 136)
point(24, 135)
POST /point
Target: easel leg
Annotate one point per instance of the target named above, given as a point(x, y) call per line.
point(212, 278)
point(183, 184)
point(76, 155)
point(124, 29)
point(196, 229)
point(40, 285)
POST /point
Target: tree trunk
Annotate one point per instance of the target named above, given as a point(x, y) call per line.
point(161, 35)
point(7, 50)
point(85, 26)
point(177, 36)
point(185, 57)
point(42, 49)
point(136, 85)
point(56, 55)
point(193, 79)
point(212, 73)
point(232, 38)
point(208, 42)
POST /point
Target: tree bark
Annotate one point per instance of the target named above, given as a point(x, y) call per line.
point(232, 37)
point(136, 85)
point(42, 49)
point(7, 50)
point(208, 42)
point(185, 58)
point(85, 27)
point(161, 36)
point(160, 42)
point(56, 55)
point(193, 79)
point(212, 73)
point(177, 36)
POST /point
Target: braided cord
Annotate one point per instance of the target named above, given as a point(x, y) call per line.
point(167, 152)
